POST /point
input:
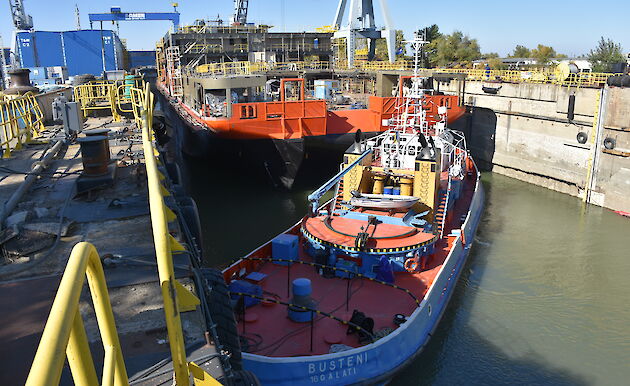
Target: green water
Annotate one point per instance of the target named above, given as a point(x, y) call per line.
point(543, 299)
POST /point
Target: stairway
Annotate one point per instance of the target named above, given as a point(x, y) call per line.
point(440, 212)
point(339, 196)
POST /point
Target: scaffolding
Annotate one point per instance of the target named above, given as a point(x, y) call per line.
point(174, 71)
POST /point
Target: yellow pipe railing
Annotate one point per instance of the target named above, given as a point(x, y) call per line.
point(21, 119)
point(512, 76)
point(64, 330)
point(177, 298)
point(64, 334)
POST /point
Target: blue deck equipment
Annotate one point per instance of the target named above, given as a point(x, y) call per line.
point(284, 247)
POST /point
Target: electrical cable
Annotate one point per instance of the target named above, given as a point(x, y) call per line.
point(50, 251)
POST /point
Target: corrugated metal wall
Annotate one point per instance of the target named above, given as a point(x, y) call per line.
point(82, 52)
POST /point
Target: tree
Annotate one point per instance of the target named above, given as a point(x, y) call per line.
point(605, 55)
point(520, 52)
point(430, 34)
point(456, 48)
point(543, 54)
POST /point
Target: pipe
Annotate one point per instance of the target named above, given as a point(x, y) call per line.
point(40, 166)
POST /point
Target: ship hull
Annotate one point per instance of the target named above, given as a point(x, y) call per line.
point(377, 362)
point(276, 148)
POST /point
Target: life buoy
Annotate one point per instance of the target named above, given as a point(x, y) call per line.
point(411, 265)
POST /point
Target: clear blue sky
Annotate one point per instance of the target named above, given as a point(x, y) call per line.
point(571, 27)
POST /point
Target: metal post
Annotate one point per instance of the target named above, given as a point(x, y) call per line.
point(289, 280)
point(312, 328)
point(347, 294)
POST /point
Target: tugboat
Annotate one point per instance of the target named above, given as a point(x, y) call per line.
point(352, 293)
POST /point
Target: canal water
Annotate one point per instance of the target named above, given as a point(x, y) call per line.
point(543, 299)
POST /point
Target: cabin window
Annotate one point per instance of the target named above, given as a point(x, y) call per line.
point(248, 112)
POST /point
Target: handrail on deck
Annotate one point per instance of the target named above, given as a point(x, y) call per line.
point(21, 120)
point(64, 334)
point(64, 330)
point(176, 297)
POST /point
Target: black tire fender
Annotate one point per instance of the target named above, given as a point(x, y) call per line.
point(220, 307)
point(610, 143)
point(582, 137)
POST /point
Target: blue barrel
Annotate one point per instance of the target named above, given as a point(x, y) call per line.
point(301, 298)
point(396, 191)
point(302, 287)
point(388, 190)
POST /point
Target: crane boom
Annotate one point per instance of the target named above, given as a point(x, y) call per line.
point(21, 20)
point(240, 12)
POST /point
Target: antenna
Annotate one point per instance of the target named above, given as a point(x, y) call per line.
point(77, 16)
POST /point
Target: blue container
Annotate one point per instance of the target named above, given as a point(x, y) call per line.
point(284, 247)
point(388, 190)
point(245, 287)
point(396, 191)
point(82, 52)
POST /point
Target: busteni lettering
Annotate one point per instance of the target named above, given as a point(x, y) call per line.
point(335, 368)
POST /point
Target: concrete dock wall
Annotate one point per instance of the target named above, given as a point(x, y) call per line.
point(523, 131)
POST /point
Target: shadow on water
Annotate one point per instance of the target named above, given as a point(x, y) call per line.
point(460, 351)
point(240, 209)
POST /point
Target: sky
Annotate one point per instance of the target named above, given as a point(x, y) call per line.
point(570, 27)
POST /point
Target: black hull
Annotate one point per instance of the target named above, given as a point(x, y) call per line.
point(279, 161)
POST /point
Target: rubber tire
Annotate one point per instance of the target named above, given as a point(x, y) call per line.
point(218, 299)
point(245, 378)
point(193, 221)
point(609, 143)
point(581, 137)
point(174, 172)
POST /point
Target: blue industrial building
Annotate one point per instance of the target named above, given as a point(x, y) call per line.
point(81, 52)
point(141, 59)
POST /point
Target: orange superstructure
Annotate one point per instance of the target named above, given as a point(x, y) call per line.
point(301, 117)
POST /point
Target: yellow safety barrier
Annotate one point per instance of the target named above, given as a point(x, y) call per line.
point(511, 76)
point(98, 95)
point(64, 334)
point(176, 297)
point(21, 119)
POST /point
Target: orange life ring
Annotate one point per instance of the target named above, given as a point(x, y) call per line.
point(411, 265)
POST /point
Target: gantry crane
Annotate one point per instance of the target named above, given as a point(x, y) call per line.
point(361, 24)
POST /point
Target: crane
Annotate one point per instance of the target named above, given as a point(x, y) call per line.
point(21, 20)
point(361, 24)
point(240, 12)
point(116, 15)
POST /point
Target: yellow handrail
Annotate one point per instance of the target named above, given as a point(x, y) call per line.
point(64, 334)
point(21, 119)
point(176, 297)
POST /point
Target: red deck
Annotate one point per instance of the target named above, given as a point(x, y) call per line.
point(271, 333)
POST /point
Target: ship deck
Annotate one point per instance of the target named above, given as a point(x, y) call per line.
point(267, 329)
point(114, 218)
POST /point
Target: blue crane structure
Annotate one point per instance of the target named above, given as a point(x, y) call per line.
point(116, 15)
